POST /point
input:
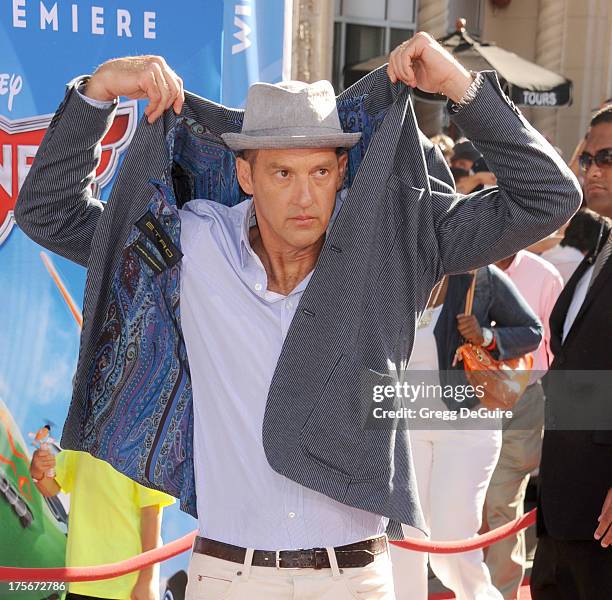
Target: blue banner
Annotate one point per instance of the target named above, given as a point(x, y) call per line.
point(218, 47)
point(253, 37)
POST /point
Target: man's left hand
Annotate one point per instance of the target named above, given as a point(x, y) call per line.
point(146, 588)
point(605, 522)
point(423, 63)
point(470, 329)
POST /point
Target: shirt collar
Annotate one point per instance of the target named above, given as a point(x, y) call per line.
point(248, 221)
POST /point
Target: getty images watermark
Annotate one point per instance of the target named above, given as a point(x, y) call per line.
point(428, 400)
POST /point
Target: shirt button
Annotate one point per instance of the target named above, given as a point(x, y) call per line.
point(291, 515)
point(289, 305)
point(258, 287)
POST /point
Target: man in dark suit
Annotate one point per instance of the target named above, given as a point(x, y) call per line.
point(574, 558)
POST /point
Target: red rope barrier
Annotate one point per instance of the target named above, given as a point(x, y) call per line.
point(146, 559)
point(67, 574)
point(480, 541)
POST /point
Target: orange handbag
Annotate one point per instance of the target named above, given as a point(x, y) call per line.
point(503, 381)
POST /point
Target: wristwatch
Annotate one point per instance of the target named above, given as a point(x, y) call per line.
point(470, 93)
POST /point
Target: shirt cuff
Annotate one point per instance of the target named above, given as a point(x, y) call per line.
point(102, 104)
point(490, 341)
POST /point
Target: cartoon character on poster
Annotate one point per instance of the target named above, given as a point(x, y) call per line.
point(42, 440)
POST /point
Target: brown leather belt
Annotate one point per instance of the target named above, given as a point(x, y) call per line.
point(358, 554)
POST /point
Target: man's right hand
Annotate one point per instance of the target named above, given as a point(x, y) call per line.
point(139, 77)
point(43, 461)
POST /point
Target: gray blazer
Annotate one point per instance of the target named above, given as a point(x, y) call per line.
point(400, 229)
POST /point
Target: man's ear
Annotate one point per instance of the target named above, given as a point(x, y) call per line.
point(342, 167)
point(245, 175)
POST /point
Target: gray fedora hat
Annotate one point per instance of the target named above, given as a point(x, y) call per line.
point(291, 114)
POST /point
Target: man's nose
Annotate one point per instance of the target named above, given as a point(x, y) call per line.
point(593, 172)
point(304, 192)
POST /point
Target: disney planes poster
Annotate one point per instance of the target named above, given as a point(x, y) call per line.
point(218, 47)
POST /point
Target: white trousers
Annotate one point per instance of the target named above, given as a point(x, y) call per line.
point(211, 578)
point(453, 470)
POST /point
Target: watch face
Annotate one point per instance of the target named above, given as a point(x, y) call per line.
point(453, 107)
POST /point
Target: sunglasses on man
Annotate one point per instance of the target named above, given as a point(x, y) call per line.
point(602, 158)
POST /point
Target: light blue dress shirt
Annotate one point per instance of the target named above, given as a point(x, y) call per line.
point(234, 330)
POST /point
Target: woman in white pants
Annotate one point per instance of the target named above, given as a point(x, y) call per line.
point(453, 466)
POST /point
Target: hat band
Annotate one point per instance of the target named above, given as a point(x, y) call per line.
point(276, 131)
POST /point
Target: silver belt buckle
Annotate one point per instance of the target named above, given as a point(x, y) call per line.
point(278, 565)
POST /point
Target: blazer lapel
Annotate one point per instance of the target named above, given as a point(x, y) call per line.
point(559, 312)
point(598, 284)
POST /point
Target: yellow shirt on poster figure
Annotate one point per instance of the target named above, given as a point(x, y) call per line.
point(104, 519)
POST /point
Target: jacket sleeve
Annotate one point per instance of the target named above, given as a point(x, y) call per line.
point(536, 192)
point(517, 328)
point(55, 206)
